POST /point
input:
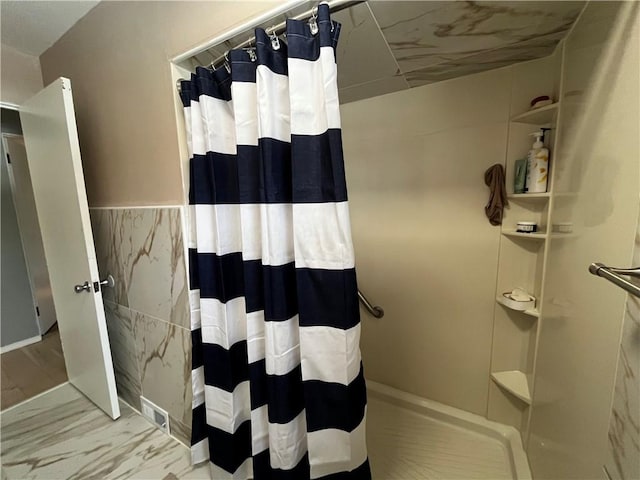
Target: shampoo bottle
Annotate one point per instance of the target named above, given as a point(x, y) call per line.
point(538, 165)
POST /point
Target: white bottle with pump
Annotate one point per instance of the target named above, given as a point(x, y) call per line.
point(538, 165)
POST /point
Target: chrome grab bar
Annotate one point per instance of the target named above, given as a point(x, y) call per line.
point(613, 275)
point(374, 310)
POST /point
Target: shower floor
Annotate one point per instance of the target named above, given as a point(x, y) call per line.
point(61, 435)
point(405, 445)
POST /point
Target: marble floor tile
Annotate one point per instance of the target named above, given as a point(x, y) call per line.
point(62, 435)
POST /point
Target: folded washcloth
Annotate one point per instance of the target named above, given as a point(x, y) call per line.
point(494, 179)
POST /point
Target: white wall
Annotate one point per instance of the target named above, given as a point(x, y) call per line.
point(18, 320)
point(20, 75)
point(425, 251)
point(596, 188)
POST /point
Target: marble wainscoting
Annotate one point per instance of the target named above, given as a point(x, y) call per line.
point(147, 311)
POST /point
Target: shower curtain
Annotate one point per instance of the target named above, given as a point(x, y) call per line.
point(278, 386)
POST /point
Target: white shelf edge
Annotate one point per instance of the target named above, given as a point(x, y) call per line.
point(528, 196)
point(532, 312)
point(516, 383)
point(532, 236)
point(523, 117)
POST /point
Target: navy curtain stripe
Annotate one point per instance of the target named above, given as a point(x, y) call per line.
point(333, 405)
point(307, 46)
point(265, 173)
point(249, 174)
point(274, 60)
point(244, 70)
point(258, 384)
point(318, 172)
point(220, 276)
point(230, 450)
point(231, 365)
point(194, 273)
point(199, 430)
point(273, 292)
point(262, 469)
point(197, 360)
point(286, 396)
point(217, 175)
point(280, 300)
point(328, 298)
point(215, 84)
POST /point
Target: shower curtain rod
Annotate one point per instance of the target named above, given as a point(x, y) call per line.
point(280, 28)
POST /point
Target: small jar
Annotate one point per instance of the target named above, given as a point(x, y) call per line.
point(526, 227)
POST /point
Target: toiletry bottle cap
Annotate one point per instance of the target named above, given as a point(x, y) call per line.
point(538, 143)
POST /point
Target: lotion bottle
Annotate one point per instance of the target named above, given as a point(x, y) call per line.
point(538, 165)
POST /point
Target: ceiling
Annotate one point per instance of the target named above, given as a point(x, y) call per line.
point(33, 26)
point(386, 46)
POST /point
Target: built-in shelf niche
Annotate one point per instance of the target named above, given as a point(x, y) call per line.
point(515, 382)
point(522, 257)
point(531, 312)
point(541, 117)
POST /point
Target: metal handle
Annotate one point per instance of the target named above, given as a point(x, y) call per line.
point(108, 282)
point(374, 310)
point(85, 287)
point(613, 275)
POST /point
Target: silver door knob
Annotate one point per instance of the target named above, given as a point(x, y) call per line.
point(86, 287)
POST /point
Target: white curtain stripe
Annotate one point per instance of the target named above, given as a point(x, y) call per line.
point(273, 105)
point(335, 348)
point(227, 410)
point(209, 239)
point(223, 324)
point(322, 236)
point(246, 112)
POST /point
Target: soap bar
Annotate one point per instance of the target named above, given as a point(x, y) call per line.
point(519, 300)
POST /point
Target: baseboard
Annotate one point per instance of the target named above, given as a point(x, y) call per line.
point(20, 344)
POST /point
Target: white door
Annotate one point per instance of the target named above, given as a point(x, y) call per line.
point(53, 153)
point(22, 191)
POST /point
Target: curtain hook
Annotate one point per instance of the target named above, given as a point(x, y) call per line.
point(275, 41)
point(313, 21)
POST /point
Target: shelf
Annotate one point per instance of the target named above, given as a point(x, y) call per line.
point(532, 312)
point(539, 116)
point(516, 383)
point(528, 196)
point(531, 236)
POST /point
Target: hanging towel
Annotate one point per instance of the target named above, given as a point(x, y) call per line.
point(494, 179)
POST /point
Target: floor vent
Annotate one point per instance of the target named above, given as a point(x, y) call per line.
point(155, 414)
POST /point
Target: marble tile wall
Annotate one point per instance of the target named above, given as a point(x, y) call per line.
point(147, 311)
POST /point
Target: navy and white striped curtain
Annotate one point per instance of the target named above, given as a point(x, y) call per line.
point(279, 391)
